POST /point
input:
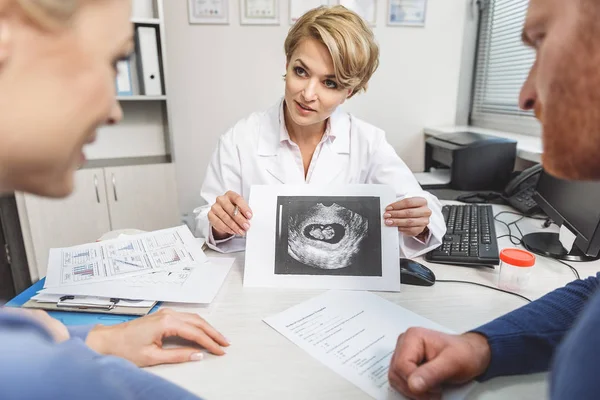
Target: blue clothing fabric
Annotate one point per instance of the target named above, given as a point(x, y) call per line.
point(526, 340)
point(577, 362)
point(33, 366)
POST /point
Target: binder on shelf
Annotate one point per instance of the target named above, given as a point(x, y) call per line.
point(148, 61)
point(124, 83)
point(143, 9)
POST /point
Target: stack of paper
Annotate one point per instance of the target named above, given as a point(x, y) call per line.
point(165, 265)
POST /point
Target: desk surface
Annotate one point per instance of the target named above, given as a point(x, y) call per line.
point(262, 364)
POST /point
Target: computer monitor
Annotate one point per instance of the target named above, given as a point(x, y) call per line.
point(576, 205)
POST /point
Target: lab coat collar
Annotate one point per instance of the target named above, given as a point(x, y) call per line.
point(273, 131)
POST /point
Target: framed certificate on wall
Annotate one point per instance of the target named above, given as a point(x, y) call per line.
point(299, 7)
point(407, 12)
point(208, 11)
point(259, 12)
point(367, 9)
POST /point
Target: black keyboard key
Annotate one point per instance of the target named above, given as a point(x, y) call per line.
point(460, 253)
point(470, 237)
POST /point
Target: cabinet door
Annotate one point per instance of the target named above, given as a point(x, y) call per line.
point(78, 219)
point(142, 197)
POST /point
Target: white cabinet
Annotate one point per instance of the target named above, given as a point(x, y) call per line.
point(140, 197)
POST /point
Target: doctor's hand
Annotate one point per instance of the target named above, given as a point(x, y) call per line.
point(230, 215)
point(424, 360)
point(141, 341)
point(410, 215)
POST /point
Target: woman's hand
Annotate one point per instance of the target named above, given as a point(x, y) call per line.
point(141, 340)
point(230, 215)
point(411, 216)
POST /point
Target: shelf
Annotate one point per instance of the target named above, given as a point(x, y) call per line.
point(146, 21)
point(142, 98)
point(126, 161)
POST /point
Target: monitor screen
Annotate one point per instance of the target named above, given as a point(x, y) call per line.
point(578, 203)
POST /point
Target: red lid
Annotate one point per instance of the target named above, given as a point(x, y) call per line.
point(517, 257)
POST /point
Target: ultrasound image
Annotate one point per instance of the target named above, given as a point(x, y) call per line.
point(328, 236)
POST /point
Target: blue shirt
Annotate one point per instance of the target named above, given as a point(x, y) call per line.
point(562, 330)
point(33, 366)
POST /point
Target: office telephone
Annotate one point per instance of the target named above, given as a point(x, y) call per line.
point(519, 191)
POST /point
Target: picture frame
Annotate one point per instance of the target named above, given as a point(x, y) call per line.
point(259, 12)
point(209, 12)
point(411, 13)
point(367, 9)
point(300, 7)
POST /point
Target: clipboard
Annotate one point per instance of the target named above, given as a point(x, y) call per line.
point(70, 303)
point(72, 318)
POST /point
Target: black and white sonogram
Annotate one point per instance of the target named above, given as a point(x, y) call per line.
point(328, 235)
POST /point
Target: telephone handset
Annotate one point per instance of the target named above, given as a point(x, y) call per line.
point(519, 191)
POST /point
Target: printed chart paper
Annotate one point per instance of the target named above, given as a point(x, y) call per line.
point(118, 258)
point(198, 285)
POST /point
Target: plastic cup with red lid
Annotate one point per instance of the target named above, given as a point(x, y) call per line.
point(515, 269)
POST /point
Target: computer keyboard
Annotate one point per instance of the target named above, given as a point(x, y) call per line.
point(470, 237)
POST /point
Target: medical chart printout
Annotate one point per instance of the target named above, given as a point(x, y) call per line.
point(198, 285)
point(172, 248)
point(355, 334)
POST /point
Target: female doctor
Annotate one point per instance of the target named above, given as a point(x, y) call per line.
point(305, 138)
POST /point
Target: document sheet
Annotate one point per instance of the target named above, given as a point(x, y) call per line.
point(198, 285)
point(137, 255)
point(355, 334)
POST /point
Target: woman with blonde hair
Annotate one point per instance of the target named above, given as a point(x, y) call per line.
point(305, 137)
point(57, 72)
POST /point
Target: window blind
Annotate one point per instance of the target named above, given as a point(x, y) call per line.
point(502, 65)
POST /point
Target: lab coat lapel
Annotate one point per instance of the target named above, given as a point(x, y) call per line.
point(275, 157)
point(335, 154)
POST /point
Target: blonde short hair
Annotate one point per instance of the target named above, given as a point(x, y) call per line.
point(50, 13)
point(350, 41)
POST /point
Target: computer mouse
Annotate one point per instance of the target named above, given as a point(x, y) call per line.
point(413, 273)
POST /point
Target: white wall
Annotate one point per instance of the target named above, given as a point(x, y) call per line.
point(219, 74)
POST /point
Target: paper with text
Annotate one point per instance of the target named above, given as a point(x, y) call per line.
point(198, 285)
point(354, 333)
point(133, 255)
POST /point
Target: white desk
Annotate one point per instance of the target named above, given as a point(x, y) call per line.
point(262, 364)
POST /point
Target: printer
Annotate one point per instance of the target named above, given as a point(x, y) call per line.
point(476, 161)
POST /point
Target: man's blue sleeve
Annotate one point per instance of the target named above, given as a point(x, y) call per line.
point(524, 340)
point(576, 365)
point(32, 366)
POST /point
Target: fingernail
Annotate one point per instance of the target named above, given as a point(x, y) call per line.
point(387, 215)
point(227, 340)
point(246, 226)
point(249, 214)
point(388, 221)
point(242, 233)
point(417, 383)
point(390, 208)
point(196, 357)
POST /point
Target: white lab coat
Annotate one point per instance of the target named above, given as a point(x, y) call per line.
point(255, 152)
